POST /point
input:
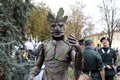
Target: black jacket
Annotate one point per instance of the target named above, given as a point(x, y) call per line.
point(109, 58)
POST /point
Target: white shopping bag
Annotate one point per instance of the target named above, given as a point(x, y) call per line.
point(39, 76)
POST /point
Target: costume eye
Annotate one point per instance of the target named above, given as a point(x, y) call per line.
point(53, 25)
point(61, 25)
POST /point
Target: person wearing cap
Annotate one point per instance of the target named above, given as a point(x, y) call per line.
point(108, 57)
point(93, 64)
point(82, 45)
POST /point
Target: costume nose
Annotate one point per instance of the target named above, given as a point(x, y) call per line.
point(57, 28)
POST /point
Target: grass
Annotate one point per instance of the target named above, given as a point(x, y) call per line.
point(71, 74)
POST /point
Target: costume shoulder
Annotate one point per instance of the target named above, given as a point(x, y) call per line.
point(43, 44)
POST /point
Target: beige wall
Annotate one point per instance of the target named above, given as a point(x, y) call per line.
point(97, 37)
point(116, 40)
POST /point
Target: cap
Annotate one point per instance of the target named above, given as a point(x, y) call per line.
point(88, 41)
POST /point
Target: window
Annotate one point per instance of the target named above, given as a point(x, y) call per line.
point(98, 38)
point(98, 45)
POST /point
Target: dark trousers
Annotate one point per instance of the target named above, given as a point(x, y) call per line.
point(96, 76)
point(109, 77)
point(76, 74)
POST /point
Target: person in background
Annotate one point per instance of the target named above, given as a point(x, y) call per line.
point(108, 57)
point(29, 46)
point(82, 46)
point(93, 64)
point(30, 49)
point(118, 61)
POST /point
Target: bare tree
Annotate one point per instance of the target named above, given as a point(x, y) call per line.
point(110, 13)
point(88, 30)
point(78, 24)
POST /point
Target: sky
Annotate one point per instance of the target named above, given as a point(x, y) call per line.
point(91, 9)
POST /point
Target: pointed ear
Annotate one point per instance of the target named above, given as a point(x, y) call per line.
point(65, 19)
point(50, 17)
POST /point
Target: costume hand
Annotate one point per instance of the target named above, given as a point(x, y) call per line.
point(108, 67)
point(73, 41)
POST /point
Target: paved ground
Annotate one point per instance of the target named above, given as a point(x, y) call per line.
point(117, 76)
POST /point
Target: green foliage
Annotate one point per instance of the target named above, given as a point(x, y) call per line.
point(13, 22)
point(110, 12)
point(39, 25)
point(76, 21)
point(71, 74)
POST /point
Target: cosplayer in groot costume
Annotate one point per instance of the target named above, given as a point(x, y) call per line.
point(56, 53)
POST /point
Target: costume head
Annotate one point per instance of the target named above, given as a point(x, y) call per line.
point(57, 23)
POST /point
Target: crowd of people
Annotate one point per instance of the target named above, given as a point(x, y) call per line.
point(107, 55)
point(99, 63)
point(103, 62)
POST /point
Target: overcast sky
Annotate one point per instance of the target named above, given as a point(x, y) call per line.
point(91, 8)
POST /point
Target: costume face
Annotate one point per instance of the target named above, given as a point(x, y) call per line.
point(57, 29)
point(105, 43)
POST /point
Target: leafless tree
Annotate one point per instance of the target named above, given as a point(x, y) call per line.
point(110, 13)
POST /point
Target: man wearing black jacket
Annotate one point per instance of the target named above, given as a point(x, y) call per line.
point(109, 58)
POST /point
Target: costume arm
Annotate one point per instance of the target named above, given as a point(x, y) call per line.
point(78, 57)
point(73, 55)
point(36, 69)
point(79, 60)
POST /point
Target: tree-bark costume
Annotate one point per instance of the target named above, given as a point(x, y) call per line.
point(56, 53)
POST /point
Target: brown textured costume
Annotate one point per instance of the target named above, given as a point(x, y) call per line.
point(56, 53)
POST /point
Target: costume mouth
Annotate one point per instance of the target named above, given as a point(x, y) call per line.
point(57, 32)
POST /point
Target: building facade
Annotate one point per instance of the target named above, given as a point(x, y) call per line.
point(98, 36)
